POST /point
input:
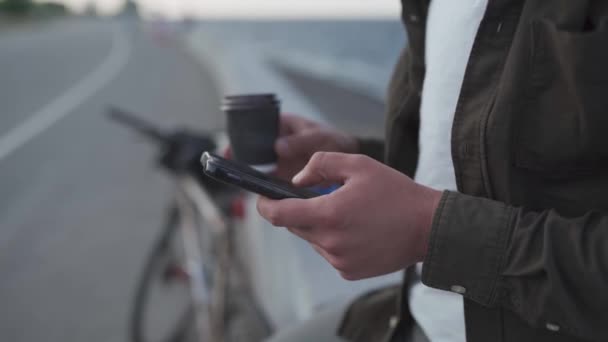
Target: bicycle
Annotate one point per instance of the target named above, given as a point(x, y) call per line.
point(194, 252)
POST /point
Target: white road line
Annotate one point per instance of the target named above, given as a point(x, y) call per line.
point(65, 104)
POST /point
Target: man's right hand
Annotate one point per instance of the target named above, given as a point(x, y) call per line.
point(300, 138)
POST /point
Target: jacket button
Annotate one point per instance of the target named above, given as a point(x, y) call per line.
point(458, 289)
point(393, 321)
point(552, 327)
point(414, 18)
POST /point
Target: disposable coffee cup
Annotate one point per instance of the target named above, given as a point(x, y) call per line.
point(253, 127)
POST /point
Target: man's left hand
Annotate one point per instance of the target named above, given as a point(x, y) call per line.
point(378, 222)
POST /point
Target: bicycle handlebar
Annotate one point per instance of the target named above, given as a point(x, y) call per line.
point(138, 124)
point(180, 150)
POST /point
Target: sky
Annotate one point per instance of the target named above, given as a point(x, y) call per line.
point(252, 8)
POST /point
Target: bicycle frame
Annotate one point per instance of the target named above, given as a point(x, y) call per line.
point(203, 236)
point(203, 229)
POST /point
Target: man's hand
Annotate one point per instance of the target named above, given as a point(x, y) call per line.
point(378, 222)
point(299, 138)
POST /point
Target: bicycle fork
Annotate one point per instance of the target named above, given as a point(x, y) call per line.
point(209, 310)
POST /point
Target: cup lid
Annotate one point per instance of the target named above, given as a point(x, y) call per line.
point(241, 101)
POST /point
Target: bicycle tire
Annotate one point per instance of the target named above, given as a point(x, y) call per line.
point(155, 256)
point(242, 320)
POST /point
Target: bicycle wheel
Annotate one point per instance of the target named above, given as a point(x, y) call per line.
point(187, 291)
point(162, 308)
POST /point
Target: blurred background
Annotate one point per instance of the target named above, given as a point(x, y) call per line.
point(80, 200)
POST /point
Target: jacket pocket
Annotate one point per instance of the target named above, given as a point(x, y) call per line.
point(563, 127)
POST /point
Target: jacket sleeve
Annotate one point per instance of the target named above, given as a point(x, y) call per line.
point(372, 147)
point(549, 269)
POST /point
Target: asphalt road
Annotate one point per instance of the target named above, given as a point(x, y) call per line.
point(80, 202)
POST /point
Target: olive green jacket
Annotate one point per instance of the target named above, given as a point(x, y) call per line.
point(525, 239)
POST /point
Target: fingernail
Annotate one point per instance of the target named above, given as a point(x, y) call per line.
point(281, 147)
point(298, 177)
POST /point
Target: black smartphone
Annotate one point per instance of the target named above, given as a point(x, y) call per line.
point(245, 177)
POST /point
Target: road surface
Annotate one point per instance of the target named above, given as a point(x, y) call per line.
point(80, 202)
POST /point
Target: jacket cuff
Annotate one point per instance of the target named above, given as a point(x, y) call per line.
point(372, 148)
point(467, 246)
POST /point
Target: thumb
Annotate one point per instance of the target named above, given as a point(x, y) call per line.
point(326, 167)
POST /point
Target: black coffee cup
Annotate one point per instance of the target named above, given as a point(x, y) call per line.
point(253, 127)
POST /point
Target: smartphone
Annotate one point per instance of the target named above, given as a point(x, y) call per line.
point(245, 177)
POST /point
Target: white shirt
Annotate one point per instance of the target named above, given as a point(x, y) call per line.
point(450, 33)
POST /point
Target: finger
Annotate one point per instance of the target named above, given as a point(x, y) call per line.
point(329, 167)
point(289, 212)
point(285, 124)
point(227, 152)
point(334, 261)
point(290, 124)
point(321, 251)
point(303, 233)
point(299, 144)
point(287, 168)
